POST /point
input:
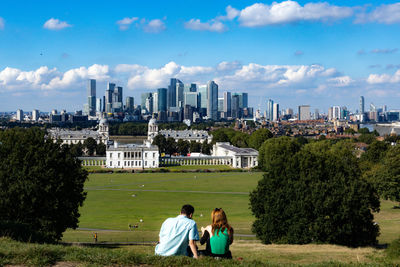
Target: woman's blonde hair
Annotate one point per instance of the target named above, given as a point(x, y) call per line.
point(220, 222)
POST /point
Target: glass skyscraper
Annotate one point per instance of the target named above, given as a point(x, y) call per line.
point(212, 100)
point(91, 90)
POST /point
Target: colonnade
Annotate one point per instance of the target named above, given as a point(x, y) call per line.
point(188, 161)
point(93, 161)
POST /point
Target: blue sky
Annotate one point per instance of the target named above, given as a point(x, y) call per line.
point(295, 52)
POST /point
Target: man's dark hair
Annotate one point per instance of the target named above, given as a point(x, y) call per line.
point(187, 209)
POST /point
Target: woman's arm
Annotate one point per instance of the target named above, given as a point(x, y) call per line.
point(205, 237)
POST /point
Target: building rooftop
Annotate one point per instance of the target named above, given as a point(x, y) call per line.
point(238, 150)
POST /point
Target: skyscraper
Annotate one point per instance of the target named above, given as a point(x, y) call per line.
point(203, 96)
point(275, 112)
point(20, 115)
point(162, 99)
point(129, 104)
point(109, 97)
point(270, 110)
point(362, 105)
point(212, 100)
point(235, 109)
point(98, 105)
point(304, 113)
point(192, 99)
point(35, 115)
point(179, 94)
point(171, 95)
point(91, 91)
point(227, 104)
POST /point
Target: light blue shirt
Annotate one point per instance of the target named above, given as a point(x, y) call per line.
point(175, 234)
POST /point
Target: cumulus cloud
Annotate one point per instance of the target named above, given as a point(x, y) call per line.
point(212, 26)
point(124, 23)
point(2, 23)
point(55, 24)
point(386, 14)
point(231, 13)
point(154, 26)
point(384, 78)
point(260, 14)
point(341, 81)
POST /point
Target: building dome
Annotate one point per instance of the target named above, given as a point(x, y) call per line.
point(152, 121)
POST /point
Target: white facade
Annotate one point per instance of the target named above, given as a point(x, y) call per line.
point(241, 157)
point(20, 115)
point(132, 156)
point(187, 135)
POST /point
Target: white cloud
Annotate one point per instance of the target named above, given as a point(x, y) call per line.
point(231, 13)
point(2, 23)
point(154, 26)
point(384, 78)
point(290, 11)
point(341, 81)
point(212, 26)
point(124, 23)
point(55, 24)
point(386, 14)
point(384, 51)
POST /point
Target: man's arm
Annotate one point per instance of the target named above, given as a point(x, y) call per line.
point(193, 248)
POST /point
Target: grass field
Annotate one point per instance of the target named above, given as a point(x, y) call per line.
point(118, 199)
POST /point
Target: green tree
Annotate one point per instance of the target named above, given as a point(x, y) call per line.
point(170, 146)
point(367, 138)
point(101, 149)
point(314, 194)
point(240, 139)
point(195, 146)
point(222, 135)
point(41, 186)
point(259, 137)
point(206, 148)
point(386, 176)
point(350, 131)
point(161, 142)
point(76, 149)
point(90, 144)
point(375, 151)
point(182, 147)
point(363, 131)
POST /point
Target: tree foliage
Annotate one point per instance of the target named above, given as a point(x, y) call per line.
point(90, 144)
point(313, 193)
point(259, 137)
point(41, 186)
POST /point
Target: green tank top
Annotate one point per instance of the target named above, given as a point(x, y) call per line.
point(219, 243)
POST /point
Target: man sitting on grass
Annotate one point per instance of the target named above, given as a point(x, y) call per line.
point(178, 235)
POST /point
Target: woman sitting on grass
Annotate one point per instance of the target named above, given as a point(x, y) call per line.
point(218, 236)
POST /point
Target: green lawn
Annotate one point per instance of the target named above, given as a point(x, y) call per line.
point(110, 204)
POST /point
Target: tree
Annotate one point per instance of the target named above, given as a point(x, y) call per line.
point(101, 149)
point(90, 144)
point(364, 131)
point(220, 135)
point(182, 147)
point(386, 176)
point(240, 139)
point(170, 146)
point(259, 137)
point(41, 186)
point(195, 146)
point(76, 149)
point(313, 194)
point(161, 142)
point(206, 148)
point(350, 131)
point(367, 138)
point(375, 151)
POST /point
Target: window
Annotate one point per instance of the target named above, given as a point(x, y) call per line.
point(110, 155)
point(154, 155)
point(124, 154)
point(140, 163)
point(110, 163)
point(124, 163)
point(154, 163)
point(128, 162)
point(145, 155)
point(119, 154)
point(119, 163)
point(145, 163)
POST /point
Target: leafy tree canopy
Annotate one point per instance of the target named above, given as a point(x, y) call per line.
point(259, 137)
point(313, 193)
point(41, 186)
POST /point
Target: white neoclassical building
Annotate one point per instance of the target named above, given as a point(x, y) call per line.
point(74, 137)
point(240, 157)
point(132, 156)
point(187, 135)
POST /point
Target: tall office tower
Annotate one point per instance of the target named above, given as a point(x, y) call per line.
point(220, 104)
point(109, 97)
point(54, 112)
point(171, 95)
point(336, 112)
point(212, 100)
point(235, 109)
point(362, 105)
point(98, 105)
point(330, 114)
point(103, 104)
point(129, 104)
point(162, 99)
point(149, 105)
point(316, 114)
point(275, 112)
point(372, 107)
point(384, 108)
point(289, 111)
point(270, 110)
point(35, 115)
point(154, 104)
point(203, 96)
point(244, 100)
point(179, 94)
point(91, 91)
point(344, 113)
point(304, 113)
point(227, 104)
point(188, 113)
point(20, 115)
point(143, 98)
point(190, 88)
point(192, 99)
point(117, 104)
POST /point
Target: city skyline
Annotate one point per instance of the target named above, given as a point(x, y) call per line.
point(313, 53)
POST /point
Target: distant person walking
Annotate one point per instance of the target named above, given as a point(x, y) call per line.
point(95, 237)
point(218, 236)
point(178, 235)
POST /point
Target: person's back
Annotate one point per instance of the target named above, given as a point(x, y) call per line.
point(177, 234)
point(219, 242)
